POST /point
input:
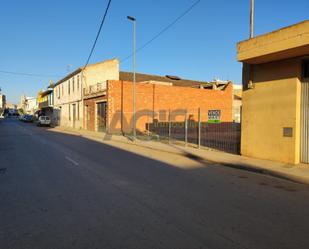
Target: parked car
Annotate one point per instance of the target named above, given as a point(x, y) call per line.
point(28, 118)
point(21, 117)
point(43, 121)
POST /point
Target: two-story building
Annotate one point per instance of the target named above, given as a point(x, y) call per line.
point(46, 101)
point(68, 92)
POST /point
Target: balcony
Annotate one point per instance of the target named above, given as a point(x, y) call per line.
point(95, 90)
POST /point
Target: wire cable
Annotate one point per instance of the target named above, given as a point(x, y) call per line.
point(163, 30)
point(98, 34)
point(29, 74)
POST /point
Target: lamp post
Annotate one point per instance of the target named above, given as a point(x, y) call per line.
point(133, 19)
point(251, 18)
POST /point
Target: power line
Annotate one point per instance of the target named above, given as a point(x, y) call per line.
point(98, 34)
point(29, 74)
point(163, 30)
point(91, 52)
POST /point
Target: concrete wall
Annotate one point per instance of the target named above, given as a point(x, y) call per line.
point(159, 99)
point(101, 72)
point(273, 103)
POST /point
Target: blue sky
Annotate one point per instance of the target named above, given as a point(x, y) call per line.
point(44, 37)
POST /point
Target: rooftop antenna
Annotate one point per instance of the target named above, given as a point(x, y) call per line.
point(251, 19)
point(69, 67)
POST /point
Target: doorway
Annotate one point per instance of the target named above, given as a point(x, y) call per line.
point(304, 122)
point(101, 116)
point(74, 115)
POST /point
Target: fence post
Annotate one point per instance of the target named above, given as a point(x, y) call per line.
point(148, 126)
point(169, 126)
point(186, 128)
point(199, 127)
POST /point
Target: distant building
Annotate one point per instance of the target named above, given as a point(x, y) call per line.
point(11, 106)
point(237, 103)
point(22, 103)
point(46, 102)
point(2, 102)
point(29, 105)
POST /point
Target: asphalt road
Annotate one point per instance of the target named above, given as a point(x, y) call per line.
point(64, 191)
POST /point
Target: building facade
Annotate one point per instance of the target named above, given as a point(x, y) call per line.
point(2, 103)
point(275, 120)
point(100, 109)
point(46, 102)
point(30, 105)
point(69, 91)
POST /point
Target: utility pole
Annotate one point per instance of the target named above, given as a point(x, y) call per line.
point(133, 19)
point(252, 19)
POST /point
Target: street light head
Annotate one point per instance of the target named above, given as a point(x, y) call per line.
point(131, 18)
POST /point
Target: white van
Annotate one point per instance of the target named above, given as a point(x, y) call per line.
point(44, 121)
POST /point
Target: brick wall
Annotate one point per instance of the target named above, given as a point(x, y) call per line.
point(153, 102)
point(90, 112)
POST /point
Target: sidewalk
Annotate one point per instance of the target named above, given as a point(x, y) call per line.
point(297, 173)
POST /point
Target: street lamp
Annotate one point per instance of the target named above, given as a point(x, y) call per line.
point(133, 19)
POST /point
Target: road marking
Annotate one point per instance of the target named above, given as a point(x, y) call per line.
point(72, 161)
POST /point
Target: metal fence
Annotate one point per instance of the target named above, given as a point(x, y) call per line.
point(212, 128)
point(224, 136)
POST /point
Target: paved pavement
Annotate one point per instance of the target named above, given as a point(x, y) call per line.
point(297, 173)
point(65, 191)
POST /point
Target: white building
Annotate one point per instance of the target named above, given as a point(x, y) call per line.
point(68, 92)
point(31, 105)
point(237, 103)
point(2, 102)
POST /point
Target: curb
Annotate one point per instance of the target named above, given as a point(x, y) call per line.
point(240, 166)
point(268, 172)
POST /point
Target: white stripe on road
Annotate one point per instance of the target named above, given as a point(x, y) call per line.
point(72, 161)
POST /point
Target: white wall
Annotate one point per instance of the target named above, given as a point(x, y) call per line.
point(65, 95)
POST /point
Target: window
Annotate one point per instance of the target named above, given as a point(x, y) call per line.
point(58, 92)
point(77, 82)
point(305, 69)
point(69, 112)
point(62, 88)
point(73, 83)
point(69, 87)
